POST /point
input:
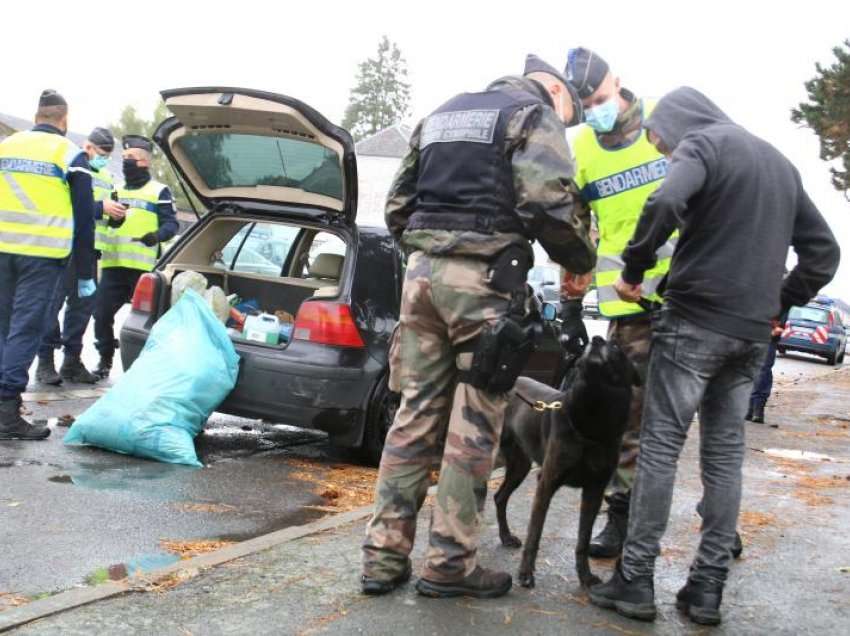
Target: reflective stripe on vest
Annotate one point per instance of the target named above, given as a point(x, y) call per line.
point(36, 215)
point(616, 185)
point(102, 187)
point(118, 245)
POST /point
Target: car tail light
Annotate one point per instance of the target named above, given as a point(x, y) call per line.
point(143, 297)
point(326, 323)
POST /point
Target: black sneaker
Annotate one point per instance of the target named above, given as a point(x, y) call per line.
point(13, 426)
point(701, 602)
point(45, 373)
point(481, 583)
point(633, 599)
point(377, 587)
point(74, 370)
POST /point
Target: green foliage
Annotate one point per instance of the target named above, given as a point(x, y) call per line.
point(381, 95)
point(131, 123)
point(828, 113)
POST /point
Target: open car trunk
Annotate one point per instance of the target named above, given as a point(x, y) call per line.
point(273, 266)
point(242, 146)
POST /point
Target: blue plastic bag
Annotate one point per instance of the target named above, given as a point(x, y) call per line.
point(156, 409)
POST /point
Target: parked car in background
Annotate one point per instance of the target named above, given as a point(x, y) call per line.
point(590, 304)
point(545, 281)
point(280, 183)
point(816, 329)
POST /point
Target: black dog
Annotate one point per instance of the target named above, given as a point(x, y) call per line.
point(576, 445)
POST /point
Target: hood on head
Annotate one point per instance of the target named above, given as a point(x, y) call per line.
point(681, 111)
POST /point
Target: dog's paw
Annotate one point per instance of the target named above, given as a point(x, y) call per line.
point(526, 579)
point(589, 581)
point(511, 541)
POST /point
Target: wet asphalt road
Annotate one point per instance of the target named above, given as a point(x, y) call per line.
point(66, 512)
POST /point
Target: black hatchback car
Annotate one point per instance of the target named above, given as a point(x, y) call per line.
point(280, 184)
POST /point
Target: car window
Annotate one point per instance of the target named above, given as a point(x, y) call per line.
point(325, 243)
point(258, 248)
point(226, 160)
point(813, 314)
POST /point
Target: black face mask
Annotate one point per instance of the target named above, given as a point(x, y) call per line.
point(134, 174)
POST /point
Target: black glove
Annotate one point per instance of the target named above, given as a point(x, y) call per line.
point(573, 326)
point(150, 239)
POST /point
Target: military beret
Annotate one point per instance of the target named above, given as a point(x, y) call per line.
point(534, 64)
point(136, 141)
point(585, 71)
point(50, 97)
point(102, 138)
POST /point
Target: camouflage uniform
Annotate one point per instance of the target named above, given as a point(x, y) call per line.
point(633, 336)
point(446, 302)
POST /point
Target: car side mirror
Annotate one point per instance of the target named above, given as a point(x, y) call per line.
point(548, 311)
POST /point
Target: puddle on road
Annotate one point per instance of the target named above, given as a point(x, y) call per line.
point(137, 565)
point(126, 478)
point(801, 455)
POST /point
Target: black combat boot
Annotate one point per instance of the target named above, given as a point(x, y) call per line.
point(701, 601)
point(104, 366)
point(377, 587)
point(74, 370)
point(13, 426)
point(749, 415)
point(45, 373)
point(609, 542)
point(633, 599)
point(481, 583)
point(758, 413)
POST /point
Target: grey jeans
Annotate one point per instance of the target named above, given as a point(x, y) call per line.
point(691, 368)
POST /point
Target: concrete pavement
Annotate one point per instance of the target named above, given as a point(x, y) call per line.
point(792, 579)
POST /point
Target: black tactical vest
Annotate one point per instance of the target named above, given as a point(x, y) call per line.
point(465, 180)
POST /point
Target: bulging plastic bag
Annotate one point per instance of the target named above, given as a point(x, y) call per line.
point(155, 410)
point(217, 300)
point(187, 280)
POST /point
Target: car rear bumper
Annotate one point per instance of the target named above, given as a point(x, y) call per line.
point(319, 392)
point(807, 346)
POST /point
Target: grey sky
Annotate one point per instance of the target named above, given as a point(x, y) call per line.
point(750, 57)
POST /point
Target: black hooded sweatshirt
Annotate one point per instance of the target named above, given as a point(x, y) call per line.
point(739, 204)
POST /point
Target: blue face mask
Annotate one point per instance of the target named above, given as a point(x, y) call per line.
point(98, 162)
point(603, 117)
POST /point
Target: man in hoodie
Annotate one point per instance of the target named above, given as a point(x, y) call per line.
point(486, 173)
point(738, 204)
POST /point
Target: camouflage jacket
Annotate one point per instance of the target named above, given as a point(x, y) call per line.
point(547, 200)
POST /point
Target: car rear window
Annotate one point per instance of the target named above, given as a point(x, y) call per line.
point(226, 160)
point(812, 314)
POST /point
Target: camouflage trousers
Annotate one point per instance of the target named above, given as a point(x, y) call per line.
point(633, 336)
point(445, 302)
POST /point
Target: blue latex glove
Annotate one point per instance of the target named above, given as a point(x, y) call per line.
point(85, 287)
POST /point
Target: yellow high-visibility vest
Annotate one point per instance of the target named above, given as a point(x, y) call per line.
point(616, 183)
point(102, 185)
point(121, 247)
point(36, 215)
